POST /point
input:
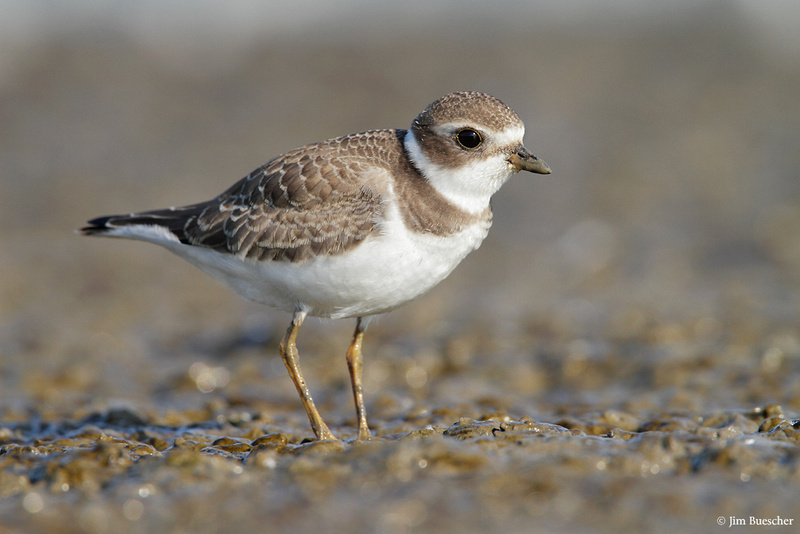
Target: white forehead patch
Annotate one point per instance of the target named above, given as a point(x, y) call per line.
point(510, 136)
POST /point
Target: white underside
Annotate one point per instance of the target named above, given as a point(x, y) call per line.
point(382, 273)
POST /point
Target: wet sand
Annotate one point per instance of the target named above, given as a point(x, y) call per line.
point(622, 353)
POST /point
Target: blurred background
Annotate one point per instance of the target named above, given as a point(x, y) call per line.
point(646, 292)
point(672, 129)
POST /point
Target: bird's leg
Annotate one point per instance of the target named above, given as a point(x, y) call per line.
point(291, 359)
point(355, 364)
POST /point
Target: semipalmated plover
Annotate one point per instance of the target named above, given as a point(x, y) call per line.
point(350, 227)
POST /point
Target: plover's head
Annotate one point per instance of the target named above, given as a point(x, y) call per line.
point(467, 144)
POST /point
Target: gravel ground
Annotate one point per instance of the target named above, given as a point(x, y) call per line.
point(622, 354)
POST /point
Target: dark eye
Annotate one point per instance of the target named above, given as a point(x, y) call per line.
point(469, 138)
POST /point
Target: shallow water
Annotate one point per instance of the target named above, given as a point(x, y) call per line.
point(622, 354)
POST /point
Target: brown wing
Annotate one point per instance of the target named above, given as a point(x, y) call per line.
point(309, 202)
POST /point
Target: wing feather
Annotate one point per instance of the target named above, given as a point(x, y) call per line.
point(312, 201)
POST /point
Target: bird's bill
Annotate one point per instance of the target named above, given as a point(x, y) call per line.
point(523, 160)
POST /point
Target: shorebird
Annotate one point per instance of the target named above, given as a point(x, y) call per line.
point(349, 227)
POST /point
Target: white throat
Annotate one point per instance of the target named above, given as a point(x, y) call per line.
point(469, 187)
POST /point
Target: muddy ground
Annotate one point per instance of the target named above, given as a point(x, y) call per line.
point(622, 354)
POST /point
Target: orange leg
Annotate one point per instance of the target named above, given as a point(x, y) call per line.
point(355, 365)
point(291, 359)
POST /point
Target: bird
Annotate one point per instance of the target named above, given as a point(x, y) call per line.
point(351, 227)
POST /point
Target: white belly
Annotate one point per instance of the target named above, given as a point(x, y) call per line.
point(382, 273)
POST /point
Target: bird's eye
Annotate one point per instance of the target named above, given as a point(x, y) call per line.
point(469, 138)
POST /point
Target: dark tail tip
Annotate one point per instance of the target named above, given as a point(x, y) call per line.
point(96, 226)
